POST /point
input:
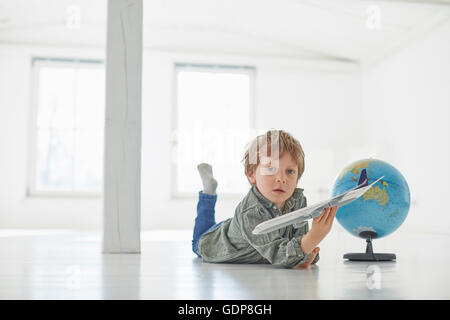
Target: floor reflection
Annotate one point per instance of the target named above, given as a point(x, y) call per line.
point(233, 281)
point(121, 276)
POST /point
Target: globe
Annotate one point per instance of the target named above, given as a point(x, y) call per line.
point(382, 209)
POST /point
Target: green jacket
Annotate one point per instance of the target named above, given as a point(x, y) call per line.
point(233, 240)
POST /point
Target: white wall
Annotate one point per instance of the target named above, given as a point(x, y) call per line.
point(406, 119)
point(318, 102)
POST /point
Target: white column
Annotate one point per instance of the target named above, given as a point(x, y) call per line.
point(122, 157)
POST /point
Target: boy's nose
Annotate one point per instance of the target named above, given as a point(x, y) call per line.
point(281, 178)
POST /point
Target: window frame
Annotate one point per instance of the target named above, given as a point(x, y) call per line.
point(219, 68)
point(36, 64)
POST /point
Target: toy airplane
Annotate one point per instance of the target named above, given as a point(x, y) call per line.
point(316, 209)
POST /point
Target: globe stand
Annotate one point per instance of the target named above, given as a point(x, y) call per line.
point(369, 255)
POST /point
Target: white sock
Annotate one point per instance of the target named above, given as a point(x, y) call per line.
point(209, 183)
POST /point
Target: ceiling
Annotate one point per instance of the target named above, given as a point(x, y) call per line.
point(346, 30)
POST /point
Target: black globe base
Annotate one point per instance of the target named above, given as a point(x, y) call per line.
point(369, 255)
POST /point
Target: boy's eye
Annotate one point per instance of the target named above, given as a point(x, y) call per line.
point(271, 168)
point(291, 171)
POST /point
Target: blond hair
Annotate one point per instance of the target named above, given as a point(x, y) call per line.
point(262, 146)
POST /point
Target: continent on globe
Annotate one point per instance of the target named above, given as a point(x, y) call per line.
point(380, 195)
point(355, 168)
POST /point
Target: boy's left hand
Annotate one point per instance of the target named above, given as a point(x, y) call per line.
point(308, 263)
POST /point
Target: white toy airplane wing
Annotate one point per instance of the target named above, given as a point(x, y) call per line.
point(315, 210)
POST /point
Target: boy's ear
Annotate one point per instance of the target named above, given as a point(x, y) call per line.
point(251, 177)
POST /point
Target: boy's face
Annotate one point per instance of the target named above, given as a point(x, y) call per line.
point(276, 181)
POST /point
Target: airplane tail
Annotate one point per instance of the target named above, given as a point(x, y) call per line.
point(363, 182)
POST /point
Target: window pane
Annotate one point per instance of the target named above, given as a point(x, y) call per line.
point(88, 160)
point(213, 121)
point(56, 98)
point(90, 98)
point(55, 159)
point(70, 124)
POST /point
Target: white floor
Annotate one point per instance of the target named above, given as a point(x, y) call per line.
point(69, 265)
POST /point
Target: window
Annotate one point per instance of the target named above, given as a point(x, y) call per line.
point(67, 127)
point(213, 115)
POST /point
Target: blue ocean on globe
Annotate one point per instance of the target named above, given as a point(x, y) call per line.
point(383, 208)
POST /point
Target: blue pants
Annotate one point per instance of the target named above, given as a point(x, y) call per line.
point(206, 219)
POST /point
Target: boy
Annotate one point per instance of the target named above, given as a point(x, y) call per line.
point(274, 162)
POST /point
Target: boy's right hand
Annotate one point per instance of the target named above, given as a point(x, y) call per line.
point(308, 263)
point(319, 229)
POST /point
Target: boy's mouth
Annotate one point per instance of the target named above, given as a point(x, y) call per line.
point(278, 190)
